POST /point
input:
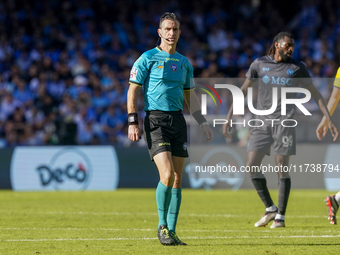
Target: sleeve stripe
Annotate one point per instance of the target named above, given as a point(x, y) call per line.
point(187, 89)
point(336, 86)
point(136, 83)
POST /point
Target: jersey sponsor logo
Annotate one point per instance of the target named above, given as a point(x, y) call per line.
point(266, 79)
point(173, 67)
point(290, 71)
point(133, 73)
point(281, 81)
point(265, 68)
point(163, 144)
point(172, 59)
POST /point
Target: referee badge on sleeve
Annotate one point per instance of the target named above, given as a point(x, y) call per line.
point(133, 73)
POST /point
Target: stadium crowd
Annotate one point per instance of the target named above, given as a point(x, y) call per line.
point(64, 65)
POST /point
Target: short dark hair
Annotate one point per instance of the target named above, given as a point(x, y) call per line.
point(280, 36)
point(168, 15)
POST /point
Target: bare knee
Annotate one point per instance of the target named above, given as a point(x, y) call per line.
point(168, 178)
point(178, 180)
point(283, 169)
point(254, 158)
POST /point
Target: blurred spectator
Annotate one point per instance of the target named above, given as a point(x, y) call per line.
point(8, 106)
point(64, 66)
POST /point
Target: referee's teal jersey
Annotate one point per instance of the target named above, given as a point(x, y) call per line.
point(163, 77)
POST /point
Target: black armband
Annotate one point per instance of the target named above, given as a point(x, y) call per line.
point(133, 118)
point(199, 117)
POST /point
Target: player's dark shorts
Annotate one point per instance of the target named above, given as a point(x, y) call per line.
point(166, 131)
point(283, 139)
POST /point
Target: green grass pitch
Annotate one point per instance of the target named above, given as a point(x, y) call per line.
point(125, 222)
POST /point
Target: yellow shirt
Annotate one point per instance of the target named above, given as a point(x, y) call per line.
point(337, 79)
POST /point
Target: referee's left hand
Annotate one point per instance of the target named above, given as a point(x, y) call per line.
point(208, 133)
point(134, 133)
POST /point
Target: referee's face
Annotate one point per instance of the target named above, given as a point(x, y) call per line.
point(169, 31)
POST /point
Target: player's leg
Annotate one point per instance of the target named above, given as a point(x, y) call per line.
point(159, 147)
point(163, 194)
point(254, 158)
point(333, 203)
point(260, 141)
point(176, 198)
point(284, 147)
point(179, 153)
point(284, 189)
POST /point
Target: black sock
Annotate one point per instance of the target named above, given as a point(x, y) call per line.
point(260, 184)
point(284, 189)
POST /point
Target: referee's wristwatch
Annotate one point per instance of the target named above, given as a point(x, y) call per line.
point(204, 124)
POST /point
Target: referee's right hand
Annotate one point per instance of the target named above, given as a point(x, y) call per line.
point(134, 133)
point(209, 134)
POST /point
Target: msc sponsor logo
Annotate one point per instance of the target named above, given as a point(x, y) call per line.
point(277, 80)
point(281, 81)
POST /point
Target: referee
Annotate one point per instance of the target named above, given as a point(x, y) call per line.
point(276, 70)
point(165, 76)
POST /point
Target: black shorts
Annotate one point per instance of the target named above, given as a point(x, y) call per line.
point(283, 138)
point(166, 131)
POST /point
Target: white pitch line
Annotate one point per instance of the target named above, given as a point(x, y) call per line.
point(182, 214)
point(141, 229)
point(154, 238)
point(184, 230)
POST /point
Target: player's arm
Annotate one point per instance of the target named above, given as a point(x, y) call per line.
point(194, 106)
point(226, 127)
point(322, 105)
point(139, 72)
point(322, 129)
point(132, 108)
